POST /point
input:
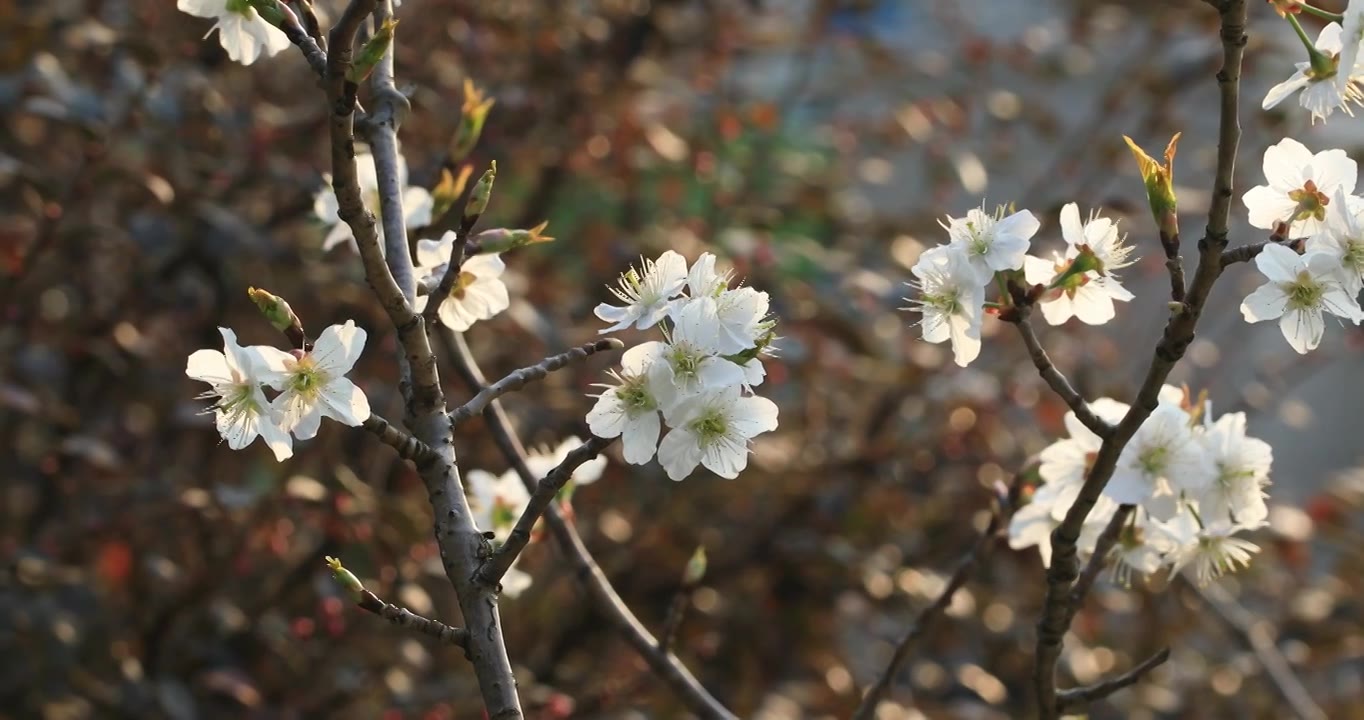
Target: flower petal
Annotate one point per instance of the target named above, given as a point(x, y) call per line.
point(342, 401)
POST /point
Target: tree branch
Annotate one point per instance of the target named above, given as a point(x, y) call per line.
point(594, 581)
point(540, 500)
point(1069, 700)
point(408, 447)
point(404, 618)
point(1102, 545)
point(1179, 332)
point(1057, 381)
point(926, 617)
point(520, 378)
point(462, 547)
point(308, 45)
point(447, 281)
point(1260, 639)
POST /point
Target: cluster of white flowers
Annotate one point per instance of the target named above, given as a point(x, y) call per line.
point(985, 249)
point(311, 385)
point(700, 378)
point(1194, 482)
point(498, 501)
point(1311, 195)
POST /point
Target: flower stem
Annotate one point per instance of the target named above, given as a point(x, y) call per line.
point(1323, 14)
point(1322, 67)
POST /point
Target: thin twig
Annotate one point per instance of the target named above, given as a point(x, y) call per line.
point(1175, 265)
point(1102, 545)
point(677, 613)
point(520, 378)
point(1057, 381)
point(545, 491)
point(404, 618)
point(1069, 700)
point(452, 269)
point(603, 596)
point(298, 35)
point(408, 447)
point(926, 617)
point(1259, 637)
point(1245, 253)
point(1179, 332)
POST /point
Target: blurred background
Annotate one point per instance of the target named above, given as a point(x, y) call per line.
point(146, 181)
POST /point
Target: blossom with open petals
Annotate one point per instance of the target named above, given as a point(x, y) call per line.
point(1299, 187)
point(240, 411)
point(713, 429)
point(992, 242)
point(478, 292)
point(243, 33)
point(417, 203)
point(645, 293)
point(951, 300)
point(1299, 290)
point(315, 385)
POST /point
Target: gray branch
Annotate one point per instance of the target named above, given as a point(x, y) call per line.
point(408, 447)
point(520, 378)
point(404, 618)
point(1069, 700)
point(1057, 381)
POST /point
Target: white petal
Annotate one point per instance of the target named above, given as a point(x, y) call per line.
point(679, 453)
point(1334, 169)
point(1266, 303)
point(433, 253)
point(1267, 206)
point(607, 418)
point(1072, 231)
point(338, 347)
point(417, 206)
point(1284, 163)
point(1279, 92)
point(210, 366)
point(487, 265)
point(202, 8)
point(1093, 306)
point(276, 439)
point(753, 415)
point(640, 438)
point(1303, 329)
point(726, 457)
point(342, 401)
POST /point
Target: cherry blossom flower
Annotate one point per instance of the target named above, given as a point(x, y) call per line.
point(1299, 187)
point(1299, 290)
point(686, 364)
point(241, 411)
point(1213, 552)
point(1325, 88)
point(497, 502)
point(1065, 463)
point(629, 408)
point(1162, 460)
point(1242, 465)
point(1343, 240)
point(951, 299)
point(315, 385)
point(417, 203)
point(645, 292)
point(1087, 295)
point(992, 243)
point(243, 33)
point(714, 428)
point(478, 293)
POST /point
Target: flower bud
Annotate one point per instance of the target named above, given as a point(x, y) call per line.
point(373, 51)
point(448, 190)
point(472, 116)
point(276, 310)
point(1160, 191)
point(478, 198)
point(500, 240)
point(696, 568)
point(345, 578)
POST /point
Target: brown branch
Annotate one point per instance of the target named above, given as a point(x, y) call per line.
point(520, 378)
point(1102, 545)
point(1175, 265)
point(404, 618)
point(927, 616)
point(540, 500)
point(1260, 639)
point(462, 547)
point(307, 44)
point(677, 612)
point(1068, 700)
point(408, 447)
point(599, 590)
point(1179, 332)
point(1056, 380)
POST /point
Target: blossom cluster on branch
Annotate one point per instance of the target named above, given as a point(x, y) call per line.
point(699, 378)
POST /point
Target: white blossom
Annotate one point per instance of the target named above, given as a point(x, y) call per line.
point(243, 33)
point(1348, 65)
point(1299, 187)
point(686, 364)
point(497, 502)
point(478, 292)
point(714, 428)
point(629, 409)
point(315, 385)
point(543, 460)
point(1242, 465)
point(1088, 296)
point(1065, 463)
point(1343, 240)
point(1299, 290)
point(992, 243)
point(241, 412)
point(646, 293)
point(1213, 552)
point(1162, 460)
point(417, 203)
point(1323, 91)
point(951, 299)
